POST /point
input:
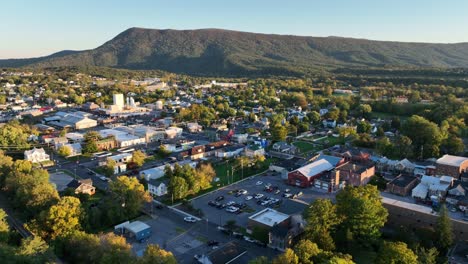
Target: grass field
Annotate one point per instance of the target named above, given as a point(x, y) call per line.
point(225, 178)
point(305, 147)
point(331, 141)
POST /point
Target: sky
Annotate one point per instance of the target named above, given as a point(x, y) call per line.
point(31, 28)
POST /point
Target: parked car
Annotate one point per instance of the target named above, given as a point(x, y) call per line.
point(103, 178)
point(212, 243)
point(258, 196)
point(248, 239)
point(219, 198)
point(190, 219)
point(288, 195)
point(259, 183)
point(248, 198)
point(242, 191)
point(277, 191)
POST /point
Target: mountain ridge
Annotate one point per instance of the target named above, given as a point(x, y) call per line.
point(227, 52)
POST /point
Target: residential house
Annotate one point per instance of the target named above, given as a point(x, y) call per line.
point(229, 151)
point(211, 148)
point(451, 165)
point(284, 147)
point(59, 141)
point(402, 185)
point(36, 155)
point(194, 127)
point(82, 186)
point(197, 152)
point(156, 188)
point(432, 186)
point(239, 138)
point(177, 145)
point(330, 123)
point(254, 151)
point(424, 168)
point(173, 132)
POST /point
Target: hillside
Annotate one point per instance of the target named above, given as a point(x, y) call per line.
point(223, 52)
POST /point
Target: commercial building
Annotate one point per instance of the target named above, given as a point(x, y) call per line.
point(451, 165)
point(402, 185)
point(267, 218)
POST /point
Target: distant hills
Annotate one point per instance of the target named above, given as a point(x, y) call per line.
point(233, 53)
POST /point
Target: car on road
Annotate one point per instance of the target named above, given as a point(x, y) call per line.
point(103, 178)
point(242, 191)
point(287, 195)
point(287, 190)
point(219, 198)
point(248, 198)
point(277, 191)
point(259, 183)
point(190, 219)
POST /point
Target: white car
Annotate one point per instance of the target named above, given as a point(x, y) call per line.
point(248, 198)
point(103, 178)
point(248, 239)
point(242, 191)
point(288, 195)
point(230, 203)
point(190, 219)
point(258, 196)
point(259, 183)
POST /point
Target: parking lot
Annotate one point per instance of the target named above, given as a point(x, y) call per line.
point(255, 185)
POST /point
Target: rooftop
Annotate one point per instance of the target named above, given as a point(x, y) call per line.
point(136, 226)
point(403, 180)
point(315, 168)
point(269, 217)
point(451, 160)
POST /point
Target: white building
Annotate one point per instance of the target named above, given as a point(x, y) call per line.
point(123, 139)
point(157, 189)
point(173, 132)
point(36, 155)
point(119, 101)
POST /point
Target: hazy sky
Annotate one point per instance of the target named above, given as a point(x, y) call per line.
point(40, 27)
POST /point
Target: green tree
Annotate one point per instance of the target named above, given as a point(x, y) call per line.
point(425, 136)
point(384, 146)
point(444, 229)
point(205, 175)
point(427, 256)
point(260, 260)
point(115, 249)
point(322, 218)
point(364, 127)
point(90, 147)
point(453, 145)
point(364, 109)
point(403, 147)
point(13, 135)
point(156, 255)
point(138, 157)
point(178, 187)
point(64, 151)
point(314, 117)
point(305, 251)
point(279, 133)
point(130, 194)
point(109, 168)
point(363, 212)
point(396, 253)
point(4, 227)
point(34, 246)
point(61, 219)
point(288, 257)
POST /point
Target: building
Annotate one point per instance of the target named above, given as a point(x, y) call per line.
point(118, 100)
point(175, 145)
point(107, 143)
point(432, 186)
point(254, 151)
point(284, 147)
point(82, 186)
point(75, 149)
point(267, 219)
point(36, 155)
point(329, 181)
point(239, 138)
point(123, 139)
point(229, 151)
point(75, 120)
point(135, 230)
point(402, 185)
point(173, 132)
point(305, 176)
point(197, 152)
point(451, 165)
point(356, 174)
point(157, 188)
point(194, 127)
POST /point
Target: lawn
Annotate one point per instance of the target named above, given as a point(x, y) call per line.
point(382, 115)
point(223, 168)
point(305, 147)
point(332, 141)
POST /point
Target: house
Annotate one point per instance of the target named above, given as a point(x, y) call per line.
point(157, 188)
point(136, 229)
point(89, 106)
point(74, 137)
point(330, 123)
point(282, 237)
point(173, 132)
point(59, 141)
point(284, 147)
point(239, 138)
point(351, 154)
point(402, 185)
point(254, 151)
point(451, 165)
point(177, 145)
point(424, 168)
point(119, 158)
point(432, 186)
point(153, 173)
point(229, 151)
point(197, 152)
point(305, 176)
point(75, 149)
point(356, 174)
point(194, 127)
point(82, 186)
point(405, 166)
point(36, 155)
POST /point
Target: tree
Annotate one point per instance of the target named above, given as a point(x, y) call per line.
point(90, 147)
point(178, 187)
point(364, 127)
point(314, 117)
point(92, 136)
point(427, 256)
point(61, 219)
point(156, 255)
point(384, 146)
point(453, 145)
point(288, 257)
point(115, 249)
point(306, 250)
point(363, 212)
point(129, 194)
point(322, 218)
point(260, 260)
point(138, 157)
point(109, 169)
point(403, 147)
point(364, 109)
point(426, 136)
point(396, 253)
point(33, 246)
point(444, 229)
point(14, 135)
point(279, 133)
point(205, 175)
point(4, 227)
point(64, 151)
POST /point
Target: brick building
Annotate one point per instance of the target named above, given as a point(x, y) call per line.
point(402, 185)
point(451, 166)
point(356, 174)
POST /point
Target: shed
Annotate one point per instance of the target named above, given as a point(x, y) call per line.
point(139, 230)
